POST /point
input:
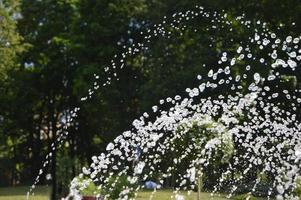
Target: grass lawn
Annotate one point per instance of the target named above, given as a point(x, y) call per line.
point(166, 195)
point(43, 193)
point(19, 193)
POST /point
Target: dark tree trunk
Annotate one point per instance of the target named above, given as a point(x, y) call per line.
point(53, 174)
point(72, 154)
point(53, 122)
point(13, 177)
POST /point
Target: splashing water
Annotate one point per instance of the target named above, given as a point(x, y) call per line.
point(245, 123)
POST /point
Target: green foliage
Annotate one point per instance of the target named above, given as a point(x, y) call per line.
point(200, 135)
point(297, 190)
point(10, 39)
point(87, 187)
point(116, 185)
point(66, 170)
point(244, 197)
point(90, 190)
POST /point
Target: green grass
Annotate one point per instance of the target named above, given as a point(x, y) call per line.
point(166, 195)
point(43, 193)
point(19, 193)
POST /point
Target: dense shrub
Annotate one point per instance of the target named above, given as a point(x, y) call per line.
point(119, 186)
point(244, 197)
point(262, 189)
point(87, 187)
point(298, 188)
point(90, 190)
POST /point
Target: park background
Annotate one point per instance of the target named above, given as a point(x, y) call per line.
point(49, 53)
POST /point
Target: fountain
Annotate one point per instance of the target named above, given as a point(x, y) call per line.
point(235, 117)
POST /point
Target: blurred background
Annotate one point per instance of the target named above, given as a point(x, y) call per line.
point(50, 51)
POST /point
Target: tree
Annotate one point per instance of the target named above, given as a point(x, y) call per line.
point(10, 47)
point(49, 63)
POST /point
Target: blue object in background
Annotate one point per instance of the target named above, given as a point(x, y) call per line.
point(150, 185)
